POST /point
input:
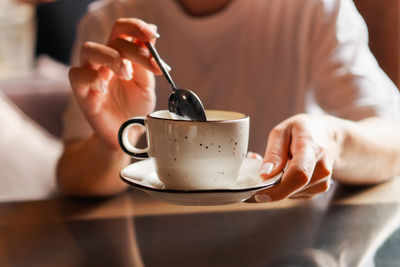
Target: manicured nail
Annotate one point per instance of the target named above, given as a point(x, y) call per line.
point(262, 198)
point(254, 156)
point(104, 86)
point(151, 31)
point(101, 86)
point(126, 70)
point(166, 66)
point(266, 168)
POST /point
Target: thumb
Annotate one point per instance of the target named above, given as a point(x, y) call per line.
point(277, 152)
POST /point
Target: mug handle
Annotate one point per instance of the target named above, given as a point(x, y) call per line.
point(127, 147)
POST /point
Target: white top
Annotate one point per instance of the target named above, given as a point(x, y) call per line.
point(270, 59)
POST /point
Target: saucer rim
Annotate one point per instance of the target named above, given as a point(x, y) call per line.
point(201, 191)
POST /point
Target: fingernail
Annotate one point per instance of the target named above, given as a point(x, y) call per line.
point(151, 31)
point(168, 67)
point(126, 70)
point(262, 198)
point(153, 27)
point(104, 86)
point(101, 86)
point(266, 168)
point(254, 156)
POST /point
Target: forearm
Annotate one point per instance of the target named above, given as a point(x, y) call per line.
point(90, 168)
point(370, 151)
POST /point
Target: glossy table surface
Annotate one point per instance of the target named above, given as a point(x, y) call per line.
point(348, 226)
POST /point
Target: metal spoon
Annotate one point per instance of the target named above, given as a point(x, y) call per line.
point(183, 104)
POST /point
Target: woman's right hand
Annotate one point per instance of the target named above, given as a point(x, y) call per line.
point(116, 81)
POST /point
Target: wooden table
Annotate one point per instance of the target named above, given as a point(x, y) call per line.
point(347, 227)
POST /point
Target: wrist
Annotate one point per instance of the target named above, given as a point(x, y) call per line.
point(342, 140)
point(88, 167)
point(97, 143)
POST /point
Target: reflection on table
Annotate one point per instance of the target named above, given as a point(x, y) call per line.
point(347, 227)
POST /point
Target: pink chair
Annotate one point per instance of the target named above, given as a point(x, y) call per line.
point(40, 99)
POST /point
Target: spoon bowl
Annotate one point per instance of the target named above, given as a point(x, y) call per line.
point(183, 104)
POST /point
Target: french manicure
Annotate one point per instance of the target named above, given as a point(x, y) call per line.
point(101, 86)
point(126, 70)
point(266, 168)
point(151, 31)
point(254, 156)
point(104, 86)
point(262, 198)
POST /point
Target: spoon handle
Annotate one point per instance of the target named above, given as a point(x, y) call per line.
point(156, 56)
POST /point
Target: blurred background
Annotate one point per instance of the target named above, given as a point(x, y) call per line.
point(30, 28)
point(383, 21)
point(36, 39)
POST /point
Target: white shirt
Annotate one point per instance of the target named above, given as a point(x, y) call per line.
point(270, 59)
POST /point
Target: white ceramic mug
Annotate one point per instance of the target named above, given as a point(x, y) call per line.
point(192, 155)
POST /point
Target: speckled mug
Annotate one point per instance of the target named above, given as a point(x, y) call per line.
point(192, 155)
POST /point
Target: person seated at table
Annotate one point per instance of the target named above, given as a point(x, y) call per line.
point(302, 70)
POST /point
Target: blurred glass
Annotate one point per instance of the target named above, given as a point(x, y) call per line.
point(17, 39)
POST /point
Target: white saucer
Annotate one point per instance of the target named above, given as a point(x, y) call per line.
point(142, 175)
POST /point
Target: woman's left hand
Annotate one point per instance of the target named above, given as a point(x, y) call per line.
point(306, 146)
